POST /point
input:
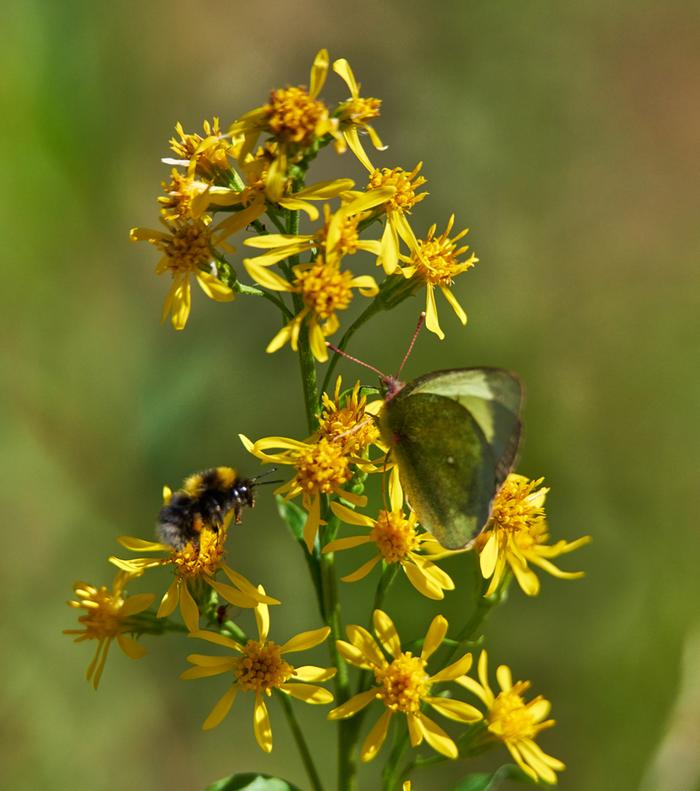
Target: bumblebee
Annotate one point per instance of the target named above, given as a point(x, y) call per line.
point(204, 500)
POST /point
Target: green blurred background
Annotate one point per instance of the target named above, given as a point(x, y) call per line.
point(566, 137)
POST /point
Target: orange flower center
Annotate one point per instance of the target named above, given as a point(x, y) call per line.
point(405, 184)
point(359, 110)
point(292, 115)
point(103, 606)
point(180, 192)
point(322, 467)
point(323, 287)
point(202, 559)
point(510, 717)
point(404, 683)
point(349, 237)
point(261, 668)
point(519, 511)
point(210, 153)
point(437, 262)
point(188, 248)
point(394, 535)
point(356, 430)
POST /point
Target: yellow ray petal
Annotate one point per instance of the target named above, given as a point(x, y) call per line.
point(221, 709)
point(375, 738)
point(386, 632)
point(305, 640)
point(437, 632)
point(352, 706)
point(261, 725)
point(309, 693)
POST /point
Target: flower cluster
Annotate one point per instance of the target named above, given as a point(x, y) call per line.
point(248, 178)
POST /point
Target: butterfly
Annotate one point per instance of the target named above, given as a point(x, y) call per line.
point(455, 436)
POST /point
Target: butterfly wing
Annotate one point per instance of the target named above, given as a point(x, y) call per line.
point(445, 463)
point(455, 435)
point(492, 396)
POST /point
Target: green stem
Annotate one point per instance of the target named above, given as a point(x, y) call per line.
point(347, 768)
point(303, 747)
point(391, 773)
point(255, 291)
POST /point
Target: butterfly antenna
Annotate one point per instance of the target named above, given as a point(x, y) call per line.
point(421, 322)
point(355, 360)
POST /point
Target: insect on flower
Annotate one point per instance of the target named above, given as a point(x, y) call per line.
point(205, 499)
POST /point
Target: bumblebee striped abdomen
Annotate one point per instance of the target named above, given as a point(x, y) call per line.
point(205, 499)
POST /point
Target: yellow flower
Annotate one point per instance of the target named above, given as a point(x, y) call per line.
point(405, 197)
point(295, 118)
point(194, 564)
point(260, 668)
point(206, 155)
point(403, 685)
point(396, 539)
point(108, 615)
point(322, 467)
point(188, 251)
point(256, 192)
point(516, 535)
point(337, 237)
point(349, 419)
point(435, 263)
point(514, 722)
point(354, 114)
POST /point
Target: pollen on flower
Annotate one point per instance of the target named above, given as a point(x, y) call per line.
point(406, 184)
point(202, 558)
point(404, 683)
point(349, 237)
point(188, 248)
point(209, 158)
point(349, 422)
point(322, 466)
point(437, 259)
point(394, 535)
point(261, 668)
point(103, 607)
point(292, 115)
point(510, 717)
point(359, 110)
point(518, 508)
point(180, 193)
point(324, 288)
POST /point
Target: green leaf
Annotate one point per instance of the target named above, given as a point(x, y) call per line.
point(491, 781)
point(294, 516)
point(251, 781)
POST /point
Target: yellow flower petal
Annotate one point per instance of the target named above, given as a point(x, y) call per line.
point(137, 604)
point(362, 571)
point(214, 288)
point(437, 738)
point(261, 725)
point(454, 709)
point(221, 709)
point(313, 673)
point(351, 517)
point(459, 668)
point(375, 738)
point(319, 72)
point(132, 648)
point(188, 608)
point(352, 706)
point(309, 693)
point(434, 637)
point(217, 639)
point(386, 632)
point(350, 542)
point(170, 599)
point(141, 545)
point(305, 640)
